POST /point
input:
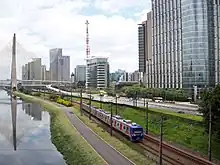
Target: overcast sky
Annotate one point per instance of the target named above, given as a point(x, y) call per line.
point(44, 24)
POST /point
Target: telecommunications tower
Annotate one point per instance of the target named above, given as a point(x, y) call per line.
point(87, 39)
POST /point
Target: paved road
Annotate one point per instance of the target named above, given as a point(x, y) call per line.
point(111, 156)
point(166, 106)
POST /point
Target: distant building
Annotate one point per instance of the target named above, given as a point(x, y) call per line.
point(32, 70)
point(63, 68)
point(117, 75)
point(135, 76)
point(43, 72)
point(47, 75)
point(145, 49)
point(80, 73)
point(54, 62)
point(97, 72)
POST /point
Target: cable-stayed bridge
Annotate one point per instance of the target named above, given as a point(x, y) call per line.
point(13, 56)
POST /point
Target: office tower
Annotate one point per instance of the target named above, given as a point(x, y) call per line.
point(80, 73)
point(24, 70)
point(97, 72)
point(34, 69)
point(55, 54)
point(43, 72)
point(185, 44)
point(135, 76)
point(36, 66)
point(63, 68)
point(47, 75)
point(145, 49)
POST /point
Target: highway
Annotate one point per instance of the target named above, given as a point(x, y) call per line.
point(187, 108)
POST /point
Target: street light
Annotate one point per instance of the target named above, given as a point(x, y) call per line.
point(101, 95)
point(116, 102)
point(90, 104)
point(72, 75)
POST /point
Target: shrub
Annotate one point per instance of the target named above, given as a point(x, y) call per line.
point(53, 97)
point(37, 94)
point(64, 102)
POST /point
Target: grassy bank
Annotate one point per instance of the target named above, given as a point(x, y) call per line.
point(183, 133)
point(66, 138)
point(132, 151)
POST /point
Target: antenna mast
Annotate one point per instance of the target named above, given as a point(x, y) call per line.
point(87, 39)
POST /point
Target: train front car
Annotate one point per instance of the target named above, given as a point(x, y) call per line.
point(136, 132)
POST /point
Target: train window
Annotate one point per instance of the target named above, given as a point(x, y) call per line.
point(117, 124)
point(123, 127)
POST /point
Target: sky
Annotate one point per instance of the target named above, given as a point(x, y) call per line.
point(44, 24)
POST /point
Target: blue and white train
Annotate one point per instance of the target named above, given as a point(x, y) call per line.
point(132, 130)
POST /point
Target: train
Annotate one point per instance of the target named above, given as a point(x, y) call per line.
point(132, 130)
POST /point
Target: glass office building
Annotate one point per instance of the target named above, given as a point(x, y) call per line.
point(185, 43)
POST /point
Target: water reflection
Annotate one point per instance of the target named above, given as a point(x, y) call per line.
point(33, 110)
point(25, 135)
point(14, 120)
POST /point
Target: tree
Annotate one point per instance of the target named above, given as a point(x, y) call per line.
point(211, 99)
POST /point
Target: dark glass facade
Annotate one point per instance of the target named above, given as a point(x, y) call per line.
point(141, 47)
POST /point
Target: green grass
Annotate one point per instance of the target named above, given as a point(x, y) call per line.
point(66, 138)
point(134, 152)
point(183, 133)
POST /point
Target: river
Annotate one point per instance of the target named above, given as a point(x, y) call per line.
point(25, 134)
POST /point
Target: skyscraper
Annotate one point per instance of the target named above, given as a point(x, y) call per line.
point(80, 73)
point(43, 72)
point(145, 49)
point(185, 44)
point(63, 68)
point(55, 54)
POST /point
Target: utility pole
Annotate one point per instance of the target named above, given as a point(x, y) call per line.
point(81, 101)
point(210, 134)
point(161, 142)
point(146, 117)
point(111, 120)
point(136, 98)
point(100, 101)
point(116, 104)
point(72, 75)
point(90, 104)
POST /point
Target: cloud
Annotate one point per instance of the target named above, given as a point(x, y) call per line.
point(41, 25)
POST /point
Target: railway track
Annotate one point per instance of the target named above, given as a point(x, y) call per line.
point(170, 154)
point(173, 155)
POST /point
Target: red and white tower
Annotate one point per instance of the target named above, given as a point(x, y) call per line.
point(87, 39)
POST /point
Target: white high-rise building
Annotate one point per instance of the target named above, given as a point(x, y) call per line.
point(32, 70)
point(97, 72)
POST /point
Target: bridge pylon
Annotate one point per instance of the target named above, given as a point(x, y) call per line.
point(13, 66)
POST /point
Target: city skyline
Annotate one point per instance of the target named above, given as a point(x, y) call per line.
point(38, 30)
